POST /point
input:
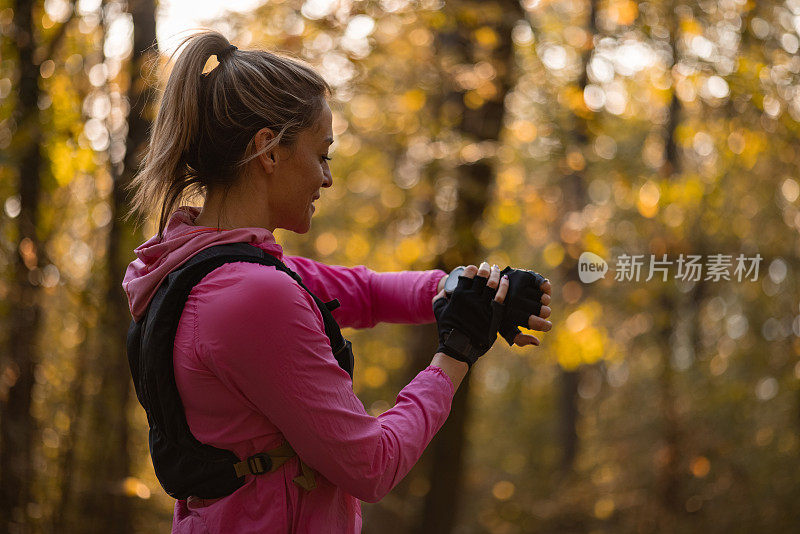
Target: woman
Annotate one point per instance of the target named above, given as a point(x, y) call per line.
point(252, 355)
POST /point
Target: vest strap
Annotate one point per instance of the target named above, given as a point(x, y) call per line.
point(307, 479)
point(269, 462)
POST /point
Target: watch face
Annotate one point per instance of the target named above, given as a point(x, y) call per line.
point(452, 280)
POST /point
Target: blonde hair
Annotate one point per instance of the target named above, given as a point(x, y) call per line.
point(203, 133)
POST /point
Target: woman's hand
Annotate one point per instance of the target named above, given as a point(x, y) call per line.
point(468, 321)
point(536, 321)
point(526, 306)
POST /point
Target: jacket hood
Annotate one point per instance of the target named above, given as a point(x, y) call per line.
point(156, 258)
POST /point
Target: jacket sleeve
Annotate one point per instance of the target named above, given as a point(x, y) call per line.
point(368, 297)
point(266, 340)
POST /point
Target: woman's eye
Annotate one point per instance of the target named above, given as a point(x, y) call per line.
point(326, 158)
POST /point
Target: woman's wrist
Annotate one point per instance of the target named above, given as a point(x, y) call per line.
point(440, 286)
point(453, 368)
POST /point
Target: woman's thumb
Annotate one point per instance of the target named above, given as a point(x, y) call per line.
point(439, 295)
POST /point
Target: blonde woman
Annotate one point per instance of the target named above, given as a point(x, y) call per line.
point(235, 348)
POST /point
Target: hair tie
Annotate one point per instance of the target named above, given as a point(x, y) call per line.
point(226, 52)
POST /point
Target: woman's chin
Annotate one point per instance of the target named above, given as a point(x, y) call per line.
point(298, 228)
point(303, 227)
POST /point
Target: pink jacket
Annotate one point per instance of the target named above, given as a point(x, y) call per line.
point(254, 369)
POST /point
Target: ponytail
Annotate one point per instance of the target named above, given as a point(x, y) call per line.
point(203, 133)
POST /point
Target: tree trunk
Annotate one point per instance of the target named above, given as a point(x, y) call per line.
point(669, 455)
point(475, 182)
point(63, 509)
point(574, 196)
point(568, 420)
point(669, 475)
point(18, 365)
point(110, 504)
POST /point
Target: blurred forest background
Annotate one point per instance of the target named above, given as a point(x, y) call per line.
point(525, 132)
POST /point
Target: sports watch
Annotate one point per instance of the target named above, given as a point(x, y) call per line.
point(452, 280)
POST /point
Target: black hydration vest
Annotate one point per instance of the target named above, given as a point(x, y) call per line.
point(184, 466)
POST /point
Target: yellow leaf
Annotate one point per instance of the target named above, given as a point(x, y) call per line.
point(357, 248)
point(326, 243)
point(409, 250)
point(553, 254)
point(374, 376)
point(623, 12)
point(524, 131)
point(473, 100)
point(62, 164)
point(508, 213)
point(486, 37)
point(580, 341)
point(647, 202)
point(413, 100)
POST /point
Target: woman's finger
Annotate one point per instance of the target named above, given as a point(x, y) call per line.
point(547, 287)
point(545, 299)
point(483, 270)
point(502, 289)
point(544, 313)
point(439, 295)
point(525, 339)
point(494, 277)
point(470, 271)
point(539, 324)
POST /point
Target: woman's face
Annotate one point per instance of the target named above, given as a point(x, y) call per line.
point(300, 173)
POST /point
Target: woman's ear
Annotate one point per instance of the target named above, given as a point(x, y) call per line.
point(267, 159)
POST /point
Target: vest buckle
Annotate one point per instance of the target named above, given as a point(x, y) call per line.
point(259, 463)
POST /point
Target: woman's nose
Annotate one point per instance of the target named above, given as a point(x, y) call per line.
point(328, 181)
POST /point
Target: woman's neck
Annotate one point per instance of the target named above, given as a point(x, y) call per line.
point(236, 209)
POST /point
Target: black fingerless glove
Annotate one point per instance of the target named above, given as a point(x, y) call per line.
point(524, 298)
point(468, 320)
